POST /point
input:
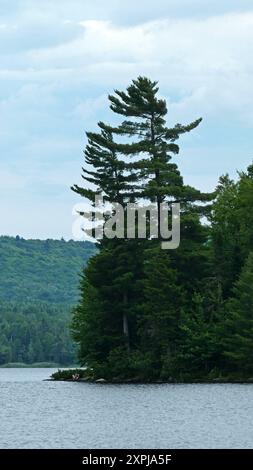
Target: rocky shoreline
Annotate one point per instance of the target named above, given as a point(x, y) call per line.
point(80, 375)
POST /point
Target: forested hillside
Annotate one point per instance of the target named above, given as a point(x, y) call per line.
point(39, 282)
point(41, 270)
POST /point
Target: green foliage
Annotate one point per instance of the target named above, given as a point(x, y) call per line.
point(41, 270)
point(237, 331)
point(68, 374)
point(127, 323)
point(144, 314)
point(38, 286)
point(232, 228)
point(33, 333)
point(225, 234)
point(148, 314)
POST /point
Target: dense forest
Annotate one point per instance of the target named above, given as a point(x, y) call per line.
point(152, 314)
point(35, 333)
point(38, 287)
point(41, 270)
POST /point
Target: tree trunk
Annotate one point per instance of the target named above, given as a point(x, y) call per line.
point(157, 177)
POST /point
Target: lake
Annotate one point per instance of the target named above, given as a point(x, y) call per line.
point(39, 414)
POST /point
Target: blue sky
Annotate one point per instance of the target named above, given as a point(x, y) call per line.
point(60, 59)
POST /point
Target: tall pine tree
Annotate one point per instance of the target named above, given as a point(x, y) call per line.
point(132, 162)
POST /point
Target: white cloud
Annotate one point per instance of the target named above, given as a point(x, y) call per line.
point(58, 64)
point(206, 62)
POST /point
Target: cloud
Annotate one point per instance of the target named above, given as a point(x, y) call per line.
point(58, 64)
point(206, 62)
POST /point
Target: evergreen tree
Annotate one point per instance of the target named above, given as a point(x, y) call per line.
point(110, 177)
point(237, 330)
point(104, 322)
point(244, 213)
point(153, 146)
point(163, 298)
point(119, 281)
point(232, 232)
point(225, 234)
point(104, 169)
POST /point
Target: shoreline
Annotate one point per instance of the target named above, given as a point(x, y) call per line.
point(87, 376)
point(36, 365)
point(154, 382)
point(71, 373)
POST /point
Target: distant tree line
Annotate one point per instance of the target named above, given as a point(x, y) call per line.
point(38, 287)
point(35, 333)
point(153, 314)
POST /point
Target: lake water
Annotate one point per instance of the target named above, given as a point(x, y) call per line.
point(39, 414)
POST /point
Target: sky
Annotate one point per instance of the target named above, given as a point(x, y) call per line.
point(59, 59)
